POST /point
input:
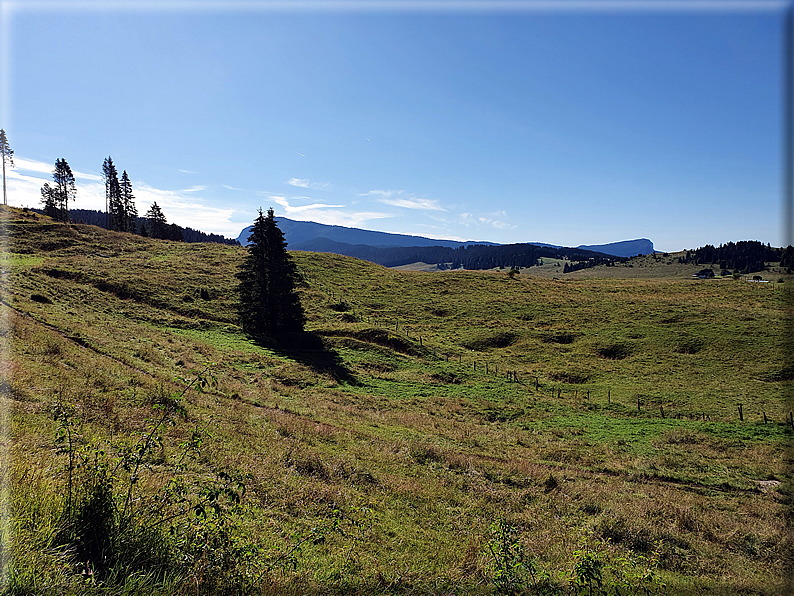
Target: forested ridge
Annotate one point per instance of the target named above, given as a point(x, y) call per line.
point(175, 231)
point(471, 257)
point(745, 256)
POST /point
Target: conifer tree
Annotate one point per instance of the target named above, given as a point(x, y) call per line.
point(114, 204)
point(268, 300)
point(7, 154)
point(50, 202)
point(156, 221)
point(65, 188)
point(110, 176)
point(128, 204)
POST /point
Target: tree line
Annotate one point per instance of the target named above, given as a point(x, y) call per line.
point(472, 257)
point(120, 213)
point(172, 232)
point(745, 256)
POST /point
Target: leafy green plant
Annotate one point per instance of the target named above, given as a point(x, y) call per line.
point(110, 529)
point(587, 569)
point(511, 568)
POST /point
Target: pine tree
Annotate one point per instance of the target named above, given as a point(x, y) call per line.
point(268, 300)
point(156, 221)
point(65, 188)
point(128, 203)
point(114, 204)
point(50, 201)
point(7, 155)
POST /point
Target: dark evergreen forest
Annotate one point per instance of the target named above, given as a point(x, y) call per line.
point(173, 232)
point(745, 256)
point(473, 257)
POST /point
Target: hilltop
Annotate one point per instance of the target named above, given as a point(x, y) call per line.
point(385, 450)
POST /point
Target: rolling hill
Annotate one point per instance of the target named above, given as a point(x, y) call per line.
point(424, 426)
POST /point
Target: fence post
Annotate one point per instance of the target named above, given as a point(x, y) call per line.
point(536, 383)
point(661, 409)
point(638, 403)
point(609, 395)
point(741, 414)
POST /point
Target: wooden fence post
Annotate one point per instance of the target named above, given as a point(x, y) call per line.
point(661, 410)
point(638, 404)
point(609, 395)
point(741, 414)
point(536, 383)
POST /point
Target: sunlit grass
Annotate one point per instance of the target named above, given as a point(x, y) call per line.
point(422, 407)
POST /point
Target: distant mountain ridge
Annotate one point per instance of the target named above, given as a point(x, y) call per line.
point(625, 248)
point(355, 242)
point(310, 236)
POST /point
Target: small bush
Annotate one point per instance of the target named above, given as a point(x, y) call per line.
point(40, 299)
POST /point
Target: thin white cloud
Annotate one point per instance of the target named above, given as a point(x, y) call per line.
point(466, 219)
point(401, 198)
point(33, 166)
point(193, 189)
point(333, 215)
point(187, 171)
point(30, 165)
point(496, 223)
point(304, 183)
point(232, 187)
point(299, 208)
point(186, 211)
point(427, 204)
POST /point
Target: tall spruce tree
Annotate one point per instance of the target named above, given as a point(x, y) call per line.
point(114, 204)
point(65, 188)
point(128, 204)
point(268, 300)
point(7, 155)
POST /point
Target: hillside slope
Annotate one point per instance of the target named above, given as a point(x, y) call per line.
point(383, 450)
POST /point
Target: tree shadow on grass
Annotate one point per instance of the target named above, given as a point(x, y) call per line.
point(308, 349)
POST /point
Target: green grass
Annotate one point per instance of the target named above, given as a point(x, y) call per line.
point(388, 426)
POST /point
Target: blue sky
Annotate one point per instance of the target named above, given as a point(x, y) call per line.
point(581, 125)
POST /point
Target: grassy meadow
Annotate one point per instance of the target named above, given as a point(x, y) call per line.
point(434, 433)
